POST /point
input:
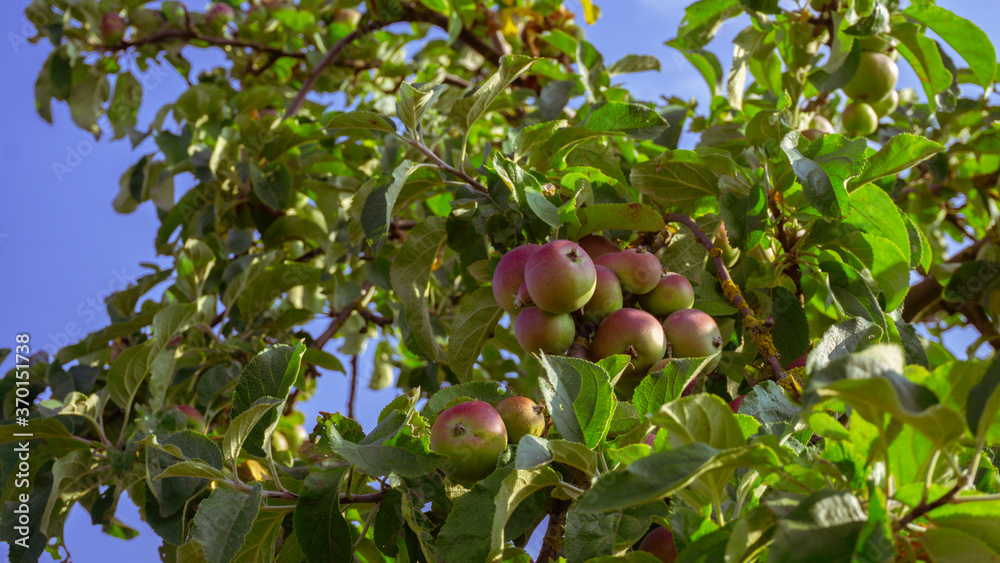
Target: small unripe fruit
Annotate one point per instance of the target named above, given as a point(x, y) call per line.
point(660, 542)
point(821, 124)
point(886, 106)
point(597, 245)
point(874, 43)
point(523, 298)
point(637, 269)
point(607, 297)
point(859, 119)
point(509, 275)
point(349, 16)
point(521, 416)
point(195, 420)
point(692, 334)
point(634, 333)
point(672, 293)
point(876, 77)
point(538, 331)
point(112, 29)
point(219, 15)
point(472, 436)
point(560, 276)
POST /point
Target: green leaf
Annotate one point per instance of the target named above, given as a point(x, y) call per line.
point(983, 403)
point(123, 113)
point(410, 276)
point(634, 120)
point(322, 532)
point(361, 120)
point(888, 263)
point(243, 425)
point(745, 215)
point(173, 493)
point(486, 391)
point(842, 339)
point(873, 211)
point(837, 73)
point(604, 216)
point(38, 428)
point(468, 110)
point(414, 101)
point(590, 534)
point(515, 488)
point(662, 473)
point(684, 181)
point(526, 189)
point(390, 448)
point(900, 153)
point(963, 35)
point(128, 372)
point(768, 403)
point(579, 398)
point(192, 468)
point(791, 328)
point(700, 418)
point(223, 521)
point(971, 281)
point(666, 385)
point(634, 63)
point(376, 214)
point(871, 381)
point(853, 293)
point(323, 359)
point(260, 541)
point(923, 55)
point(477, 317)
point(824, 527)
point(948, 545)
point(270, 374)
point(534, 452)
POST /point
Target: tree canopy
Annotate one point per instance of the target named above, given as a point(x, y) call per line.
point(370, 163)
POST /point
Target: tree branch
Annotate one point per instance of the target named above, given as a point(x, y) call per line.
point(354, 387)
point(758, 330)
point(552, 544)
point(193, 35)
point(339, 319)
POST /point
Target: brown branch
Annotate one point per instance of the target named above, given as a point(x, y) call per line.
point(338, 319)
point(552, 544)
point(473, 183)
point(925, 507)
point(344, 499)
point(758, 330)
point(787, 244)
point(330, 57)
point(193, 35)
point(354, 387)
point(374, 318)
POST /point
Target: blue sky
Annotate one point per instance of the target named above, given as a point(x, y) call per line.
point(64, 249)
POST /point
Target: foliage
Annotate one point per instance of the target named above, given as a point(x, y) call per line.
point(472, 128)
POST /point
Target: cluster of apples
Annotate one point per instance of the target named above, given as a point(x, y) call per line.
point(473, 434)
point(560, 289)
point(871, 90)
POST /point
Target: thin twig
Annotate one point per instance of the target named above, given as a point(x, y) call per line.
point(192, 35)
point(758, 330)
point(339, 318)
point(473, 183)
point(354, 387)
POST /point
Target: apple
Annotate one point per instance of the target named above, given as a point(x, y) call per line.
point(509, 275)
point(472, 436)
point(876, 76)
point(822, 124)
point(195, 420)
point(859, 119)
point(660, 542)
point(886, 106)
point(638, 270)
point(597, 245)
point(632, 332)
point(672, 293)
point(219, 15)
point(692, 334)
point(521, 416)
point(539, 331)
point(112, 29)
point(607, 297)
point(560, 277)
point(523, 298)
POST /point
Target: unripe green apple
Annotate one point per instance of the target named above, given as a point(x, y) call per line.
point(607, 297)
point(692, 334)
point(638, 270)
point(821, 124)
point(672, 293)
point(349, 16)
point(509, 275)
point(886, 106)
point(597, 245)
point(660, 542)
point(859, 119)
point(560, 276)
point(874, 43)
point(538, 331)
point(876, 77)
point(112, 29)
point(521, 416)
point(472, 436)
point(174, 13)
point(632, 332)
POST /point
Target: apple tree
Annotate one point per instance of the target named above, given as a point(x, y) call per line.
point(724, 320)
